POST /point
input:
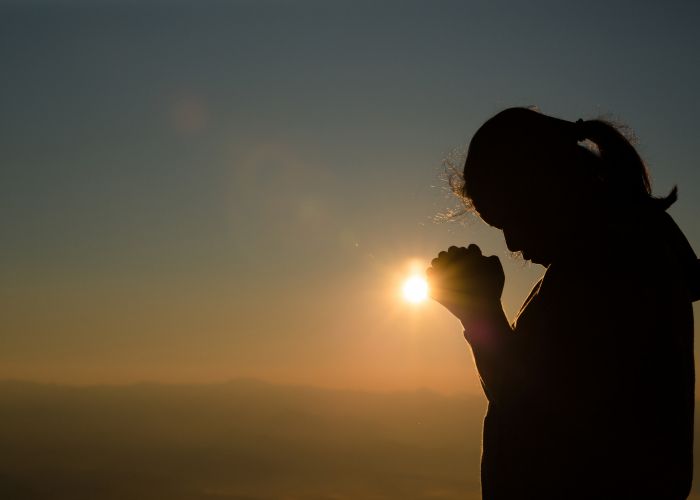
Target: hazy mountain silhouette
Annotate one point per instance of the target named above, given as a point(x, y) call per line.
point(243, 440)
point(239, 440)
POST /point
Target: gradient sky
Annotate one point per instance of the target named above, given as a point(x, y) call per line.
point(197, 191)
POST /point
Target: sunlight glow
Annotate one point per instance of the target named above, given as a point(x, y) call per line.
point(415, 289)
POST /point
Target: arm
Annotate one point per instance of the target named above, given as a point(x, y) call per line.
point(493, 345)
point(469, 285)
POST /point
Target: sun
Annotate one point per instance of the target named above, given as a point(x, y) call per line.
point(415, 289)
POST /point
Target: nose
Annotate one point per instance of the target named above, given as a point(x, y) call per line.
point(513, 242)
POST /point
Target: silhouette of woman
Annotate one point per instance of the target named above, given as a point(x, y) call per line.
point(591, 389)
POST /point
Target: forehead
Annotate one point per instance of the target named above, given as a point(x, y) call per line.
point(494, 212)
point(498, 198)
point(500, 209)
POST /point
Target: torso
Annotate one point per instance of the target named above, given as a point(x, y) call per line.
point(608, 343)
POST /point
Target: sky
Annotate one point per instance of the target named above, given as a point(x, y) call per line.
point(200, 191)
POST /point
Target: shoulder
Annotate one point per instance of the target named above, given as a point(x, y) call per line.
point(631, 254)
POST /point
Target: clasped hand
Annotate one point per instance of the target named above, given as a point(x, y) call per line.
point(466, 282)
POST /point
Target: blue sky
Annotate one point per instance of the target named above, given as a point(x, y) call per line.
point(181, 182)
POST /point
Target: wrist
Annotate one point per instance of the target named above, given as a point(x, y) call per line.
point(477, 309)
point(484, 316)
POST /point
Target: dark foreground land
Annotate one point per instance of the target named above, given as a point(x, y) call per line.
point(243, 440)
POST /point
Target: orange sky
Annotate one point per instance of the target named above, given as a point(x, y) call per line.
point(232, 189)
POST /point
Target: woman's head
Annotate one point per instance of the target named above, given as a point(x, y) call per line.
point(528, 174)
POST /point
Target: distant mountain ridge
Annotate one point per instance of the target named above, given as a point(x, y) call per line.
point(240, 439)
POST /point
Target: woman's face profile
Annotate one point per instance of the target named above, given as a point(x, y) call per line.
point(530, 226)
point(529, 188)
point(524, 236)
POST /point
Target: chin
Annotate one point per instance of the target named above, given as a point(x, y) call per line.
point(535, 258)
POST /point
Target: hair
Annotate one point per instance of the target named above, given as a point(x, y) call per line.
point(530, 143)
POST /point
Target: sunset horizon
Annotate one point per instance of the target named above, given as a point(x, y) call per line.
point(253, 217)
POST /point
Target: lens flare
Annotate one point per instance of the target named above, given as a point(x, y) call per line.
point(415, 289)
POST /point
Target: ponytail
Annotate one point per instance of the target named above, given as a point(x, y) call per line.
point(622, 169)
